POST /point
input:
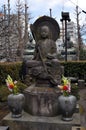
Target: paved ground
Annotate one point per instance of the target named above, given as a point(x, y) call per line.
point(82, 104)
point(4, 110)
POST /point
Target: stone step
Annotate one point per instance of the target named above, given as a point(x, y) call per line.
point(78, 128)
point(4, 128)
point(30, 122)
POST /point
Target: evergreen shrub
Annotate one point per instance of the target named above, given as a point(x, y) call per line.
point(75, 69)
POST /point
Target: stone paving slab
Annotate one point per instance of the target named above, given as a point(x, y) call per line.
point(82, 106)
point(29, 122)
point(4, 128)
point(78, 128)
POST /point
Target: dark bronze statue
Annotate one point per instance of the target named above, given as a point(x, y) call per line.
point(45, 67)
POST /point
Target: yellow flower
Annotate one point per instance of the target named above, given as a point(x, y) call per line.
point(11, 85)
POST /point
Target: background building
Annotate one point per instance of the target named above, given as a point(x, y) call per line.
point(71, 43)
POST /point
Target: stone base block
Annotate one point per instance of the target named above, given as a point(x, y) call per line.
point(4, 128)
point(81, 83)
point(41, 101)
point(78, 128)
point(29, 122)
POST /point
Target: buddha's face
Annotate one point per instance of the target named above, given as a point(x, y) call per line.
point(44, 32)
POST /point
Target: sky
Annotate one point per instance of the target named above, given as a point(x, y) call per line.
point(39, 8)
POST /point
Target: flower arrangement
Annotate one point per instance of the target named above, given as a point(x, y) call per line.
point(66, 86)
point(12, 85)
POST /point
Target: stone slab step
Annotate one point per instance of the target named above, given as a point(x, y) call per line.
point(78, 128)
point(30, 122)
point(4, 128)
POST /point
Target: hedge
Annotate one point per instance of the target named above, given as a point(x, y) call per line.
point(75, 69)
point(71, 69)
point(11, 68)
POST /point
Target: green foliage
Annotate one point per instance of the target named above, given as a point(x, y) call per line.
point(12, 69)
point(75, 69)
point(4, 92)
point(75, 90)
point(82, 54)
point(21, 86)
point(71, 69)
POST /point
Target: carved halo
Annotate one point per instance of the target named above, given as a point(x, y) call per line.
point(47, 21)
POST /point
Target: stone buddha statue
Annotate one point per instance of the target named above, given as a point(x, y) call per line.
point(42, 96)
point(45, 67)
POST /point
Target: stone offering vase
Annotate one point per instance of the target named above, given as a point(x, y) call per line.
point(16, 103)
point(67, 106)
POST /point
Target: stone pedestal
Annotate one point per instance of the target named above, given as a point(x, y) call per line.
point(29, 122)
point(4, 128)
point(78, 128)
point(41, 101)
point(81, 83)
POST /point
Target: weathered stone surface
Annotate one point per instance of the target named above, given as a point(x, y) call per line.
point(73, 79)
point(78, 128)
point(41, 101)
point(28, 122)
point(82, 106)
point(81, 83)
point(4, 128)
point(45, 67)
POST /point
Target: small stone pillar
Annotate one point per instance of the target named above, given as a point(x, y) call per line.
point(81, 83)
